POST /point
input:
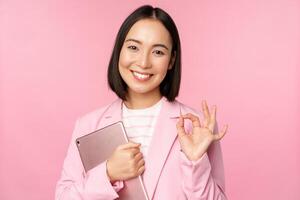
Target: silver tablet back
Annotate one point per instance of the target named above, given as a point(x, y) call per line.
point(96, 147)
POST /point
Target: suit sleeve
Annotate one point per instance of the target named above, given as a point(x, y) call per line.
point(204, 179)
point(75, 184)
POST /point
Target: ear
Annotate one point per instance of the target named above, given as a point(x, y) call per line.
point(172, 61)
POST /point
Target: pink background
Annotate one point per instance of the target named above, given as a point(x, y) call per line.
point(242, 56)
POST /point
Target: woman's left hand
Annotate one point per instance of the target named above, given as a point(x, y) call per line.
point(195, 144)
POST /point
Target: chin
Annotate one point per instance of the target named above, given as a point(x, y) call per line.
point(143, 90)
point(140, 91)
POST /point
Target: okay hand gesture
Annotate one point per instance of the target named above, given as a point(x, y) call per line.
point(196, 143)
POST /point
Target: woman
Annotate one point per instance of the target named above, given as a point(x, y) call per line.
point(177, 160)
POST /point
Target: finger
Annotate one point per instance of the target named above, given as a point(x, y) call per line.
point(195, 120)
point(133, 151)
point(141, 163)
point(205, 109)
point(141, 170)
point(212, 121)
point(214, 113)
point(138, 156)
point(180, 127)
point(129, 145)
point(220, 135)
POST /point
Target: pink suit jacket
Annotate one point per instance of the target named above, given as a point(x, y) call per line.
point(168, 174)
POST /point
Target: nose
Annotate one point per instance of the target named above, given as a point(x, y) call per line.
point(143, 60)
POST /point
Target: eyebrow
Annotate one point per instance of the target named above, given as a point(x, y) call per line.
point(155, 45)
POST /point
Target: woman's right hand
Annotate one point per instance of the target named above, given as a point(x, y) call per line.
point(125, 163)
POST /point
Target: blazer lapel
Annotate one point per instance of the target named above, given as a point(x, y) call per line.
point(112, 114)
point(162, 140)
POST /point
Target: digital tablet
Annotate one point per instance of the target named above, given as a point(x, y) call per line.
point(96, 147)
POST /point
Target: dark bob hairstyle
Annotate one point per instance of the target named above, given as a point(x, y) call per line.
point(169, 87)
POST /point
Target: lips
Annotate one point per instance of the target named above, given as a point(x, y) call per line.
point(141, 76)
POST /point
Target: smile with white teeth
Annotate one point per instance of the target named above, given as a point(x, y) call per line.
point(141, 76)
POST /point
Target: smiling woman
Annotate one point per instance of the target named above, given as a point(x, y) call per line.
point(145, 60)
point(183, 161)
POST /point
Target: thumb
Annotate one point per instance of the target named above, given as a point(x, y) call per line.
point(129, 145)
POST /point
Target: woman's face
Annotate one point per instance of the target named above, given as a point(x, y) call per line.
point(145, 57)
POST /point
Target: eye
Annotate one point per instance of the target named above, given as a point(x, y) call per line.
point(132, 47)
point(159, 52)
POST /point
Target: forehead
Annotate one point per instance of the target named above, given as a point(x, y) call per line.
point(150, 31)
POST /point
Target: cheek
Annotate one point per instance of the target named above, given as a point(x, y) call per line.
point(125, 59)
point(163, 65)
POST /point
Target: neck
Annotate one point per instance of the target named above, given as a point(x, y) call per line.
point(140, 101)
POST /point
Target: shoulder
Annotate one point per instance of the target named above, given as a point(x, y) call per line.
point(92, 118)
point(94, 114)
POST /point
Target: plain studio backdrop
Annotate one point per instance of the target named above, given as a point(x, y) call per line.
point(241, 55)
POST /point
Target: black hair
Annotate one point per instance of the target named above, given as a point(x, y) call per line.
point(170, 86)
